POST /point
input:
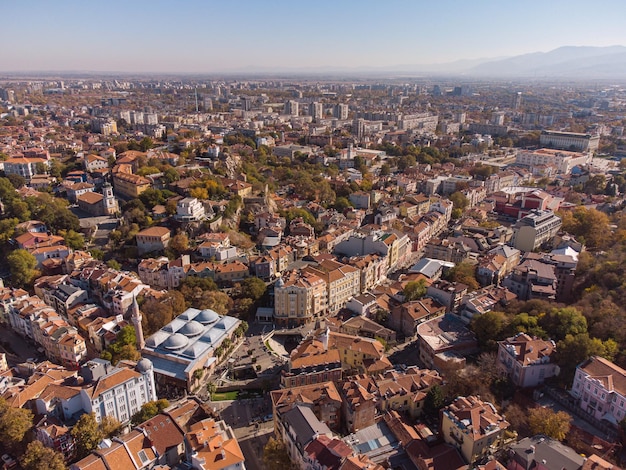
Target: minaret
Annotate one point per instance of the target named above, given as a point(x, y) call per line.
point(136, 319)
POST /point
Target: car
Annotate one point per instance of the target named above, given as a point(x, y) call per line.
point(267, 418)
point(8, 461)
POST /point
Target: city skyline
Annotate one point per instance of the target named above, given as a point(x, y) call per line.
point(246, 36)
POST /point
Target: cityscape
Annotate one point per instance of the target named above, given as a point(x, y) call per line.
point(258, 252)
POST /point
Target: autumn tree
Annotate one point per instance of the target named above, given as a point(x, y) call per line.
point(459, 200)
point(179, 243)
point(40, 457)
point(543, 420)
point(414, 290)
point(87, 435)
point(590, 225)
point(275, 455)
point(22, 267)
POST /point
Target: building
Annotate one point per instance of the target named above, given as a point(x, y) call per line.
point(128, 185)
point(405, 318)
point(532, 279)
point(299, 297)
point(538, 227)
point(97, 204)
point(316, 110)
point(214, 446)
point(562, 160)
point(312, 362)
point(291, 108)
point(472, 426)
point(543, 452)
point(322, 398)
point(26, 167)
point(189, 343)
point(570, 141)
point(527, 361)
point(444, 341)
point(152, 239)
point(190, 209)
point(342, 282)
point(600, 388)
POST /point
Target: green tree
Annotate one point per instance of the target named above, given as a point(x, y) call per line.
point(542, 420)
point(465, 273)
point(110, 426)
point(489, 328)
point(434, 400)
point(75, 240)
point(211, 388)
point(114, 264)
point(414, 290)
point(146, 144)
point(40, 457)
point(87, 435)
point(459, 200)
point(149, 410)
point(341, 204)
point(253, 288)
point(22, 266)
point(16, 180)
point(561, 322)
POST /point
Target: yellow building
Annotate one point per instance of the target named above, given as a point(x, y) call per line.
point(472, 426)
point(129, 185)
point(299, 297)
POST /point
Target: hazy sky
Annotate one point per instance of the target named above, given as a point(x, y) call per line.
point(238, 35)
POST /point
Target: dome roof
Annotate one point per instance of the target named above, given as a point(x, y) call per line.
point(207, 316)
point(144, 365)
point(176, 341)
point(192, 328)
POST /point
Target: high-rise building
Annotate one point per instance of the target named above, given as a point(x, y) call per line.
point(246, 103)
point(316, 110)
point(517, 100)
point(292, 107)
point(340, 111)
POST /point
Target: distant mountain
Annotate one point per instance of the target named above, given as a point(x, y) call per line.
point(567, 61)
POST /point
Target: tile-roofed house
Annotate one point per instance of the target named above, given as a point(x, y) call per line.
point(132, 451)
point(472, 426)
point(326, 452)
point(323, 398)
point(600, 388)
point(167, 438)
point(312, 362)
point(444, 338)
point(406, 318)
point(527, 361)
point(359, 462)
point(214, 446)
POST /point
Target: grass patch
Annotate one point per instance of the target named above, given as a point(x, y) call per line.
point(221, 396)
point(267, 345)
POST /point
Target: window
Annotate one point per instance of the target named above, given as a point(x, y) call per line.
point(144, 458)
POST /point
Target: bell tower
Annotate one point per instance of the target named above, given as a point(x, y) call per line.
point(109, 201)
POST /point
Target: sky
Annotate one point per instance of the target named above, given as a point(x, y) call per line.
point(208, 36)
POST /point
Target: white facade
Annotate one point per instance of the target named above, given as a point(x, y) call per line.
point(190, 209)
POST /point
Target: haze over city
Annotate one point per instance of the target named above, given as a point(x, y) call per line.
point(261, 36)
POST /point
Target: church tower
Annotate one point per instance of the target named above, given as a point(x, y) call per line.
point(109, 201)
point(136, 319)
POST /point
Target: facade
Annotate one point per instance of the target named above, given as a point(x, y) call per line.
point(299, 297)
point(190, 209)
point(600, 388)
point(472, 426)
point(562, 160)
point(188, 344)
point(444, 341)
point(407, 317)
point(570, 141)
point(129, 186)
point(152, 239)
point(538, 227)
point(527, 361)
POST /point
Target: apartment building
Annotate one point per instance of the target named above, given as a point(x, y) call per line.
point(538, 227)
point(152, 239)
point(299, 297)
point(527, 361)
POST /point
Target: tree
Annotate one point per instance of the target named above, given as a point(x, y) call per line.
point(114, 264)
point(110, 426)
point(40, 457)
point(434, 400)
point(179, 243)
point(489, 328)
point(253, 288)
point(542, 420)
point(459, 200)
point(22, 266)
point(465, 273)
point(385, 169)
point(341, 204)
point(149, 410)
point(591, 225)
point(156, 314)
point(414, 290)
point(14, 424)
point(16, 180)
point(124, 347)
point(211, 388)
point(87, 435)
point(275, 455)
point(518, 418)
point(146, 144)
point(75, 240)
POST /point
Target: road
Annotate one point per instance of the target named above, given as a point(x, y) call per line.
point(17, 348)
